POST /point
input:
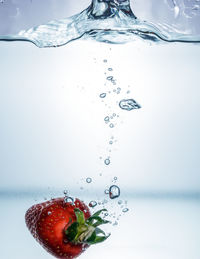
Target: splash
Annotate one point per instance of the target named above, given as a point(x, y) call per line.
point(110, 21)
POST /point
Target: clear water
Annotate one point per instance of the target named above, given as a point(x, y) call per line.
point(70, 120)
point(110, 21)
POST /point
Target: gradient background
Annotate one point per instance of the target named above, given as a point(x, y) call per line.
point(52, 134)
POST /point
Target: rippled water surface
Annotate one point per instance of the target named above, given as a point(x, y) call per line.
point(112, 21)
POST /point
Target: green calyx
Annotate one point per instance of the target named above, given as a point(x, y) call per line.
point(86, 231)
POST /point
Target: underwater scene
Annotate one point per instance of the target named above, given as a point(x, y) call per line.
point(99, 129)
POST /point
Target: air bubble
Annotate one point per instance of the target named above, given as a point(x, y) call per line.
point(118, 90)
point(125, 210)
point(104, 201)
point(49, 212)
point(115, 223)
point(65, 192)
point(69, 200)
point(107, 161)
point(92, 204)
point(129, 104)
point(103, 95)
point(89, 180)
point(109, 78)
point(106, 119)
point(114, 192)
point(106, 191)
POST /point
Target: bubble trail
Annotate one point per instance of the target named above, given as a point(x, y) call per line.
point(129, 104)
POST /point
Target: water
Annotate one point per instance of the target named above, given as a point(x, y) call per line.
point(107, 21)
point(63, 108)
point(160, 229)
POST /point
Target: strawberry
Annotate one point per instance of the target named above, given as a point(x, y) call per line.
point(65, 229)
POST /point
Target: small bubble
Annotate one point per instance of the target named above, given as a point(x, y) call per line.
point(110, 69)
point(103, 95)
point(114, 114)
point(125, 210)
point(115, 178)
point(65, 192)
point(105, 60)
point(110, 142)
point(92, 204)
point(118, 90)
point(109, 78)
point(113, 82)
point(111, 125)
point(104, 201)
point(114, 192)
point(106, 119)
point(115, 223)
point(89, 180)
point(106, 191)
point(120, 202)
point(49, 212)
point(107, 161)
point(69, 200)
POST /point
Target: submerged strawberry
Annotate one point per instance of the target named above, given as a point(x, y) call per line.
point(63, 228)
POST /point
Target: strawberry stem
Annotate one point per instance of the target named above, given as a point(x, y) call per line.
point(86, 231)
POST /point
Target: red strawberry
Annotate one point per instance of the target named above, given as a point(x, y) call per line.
point(65, 229)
